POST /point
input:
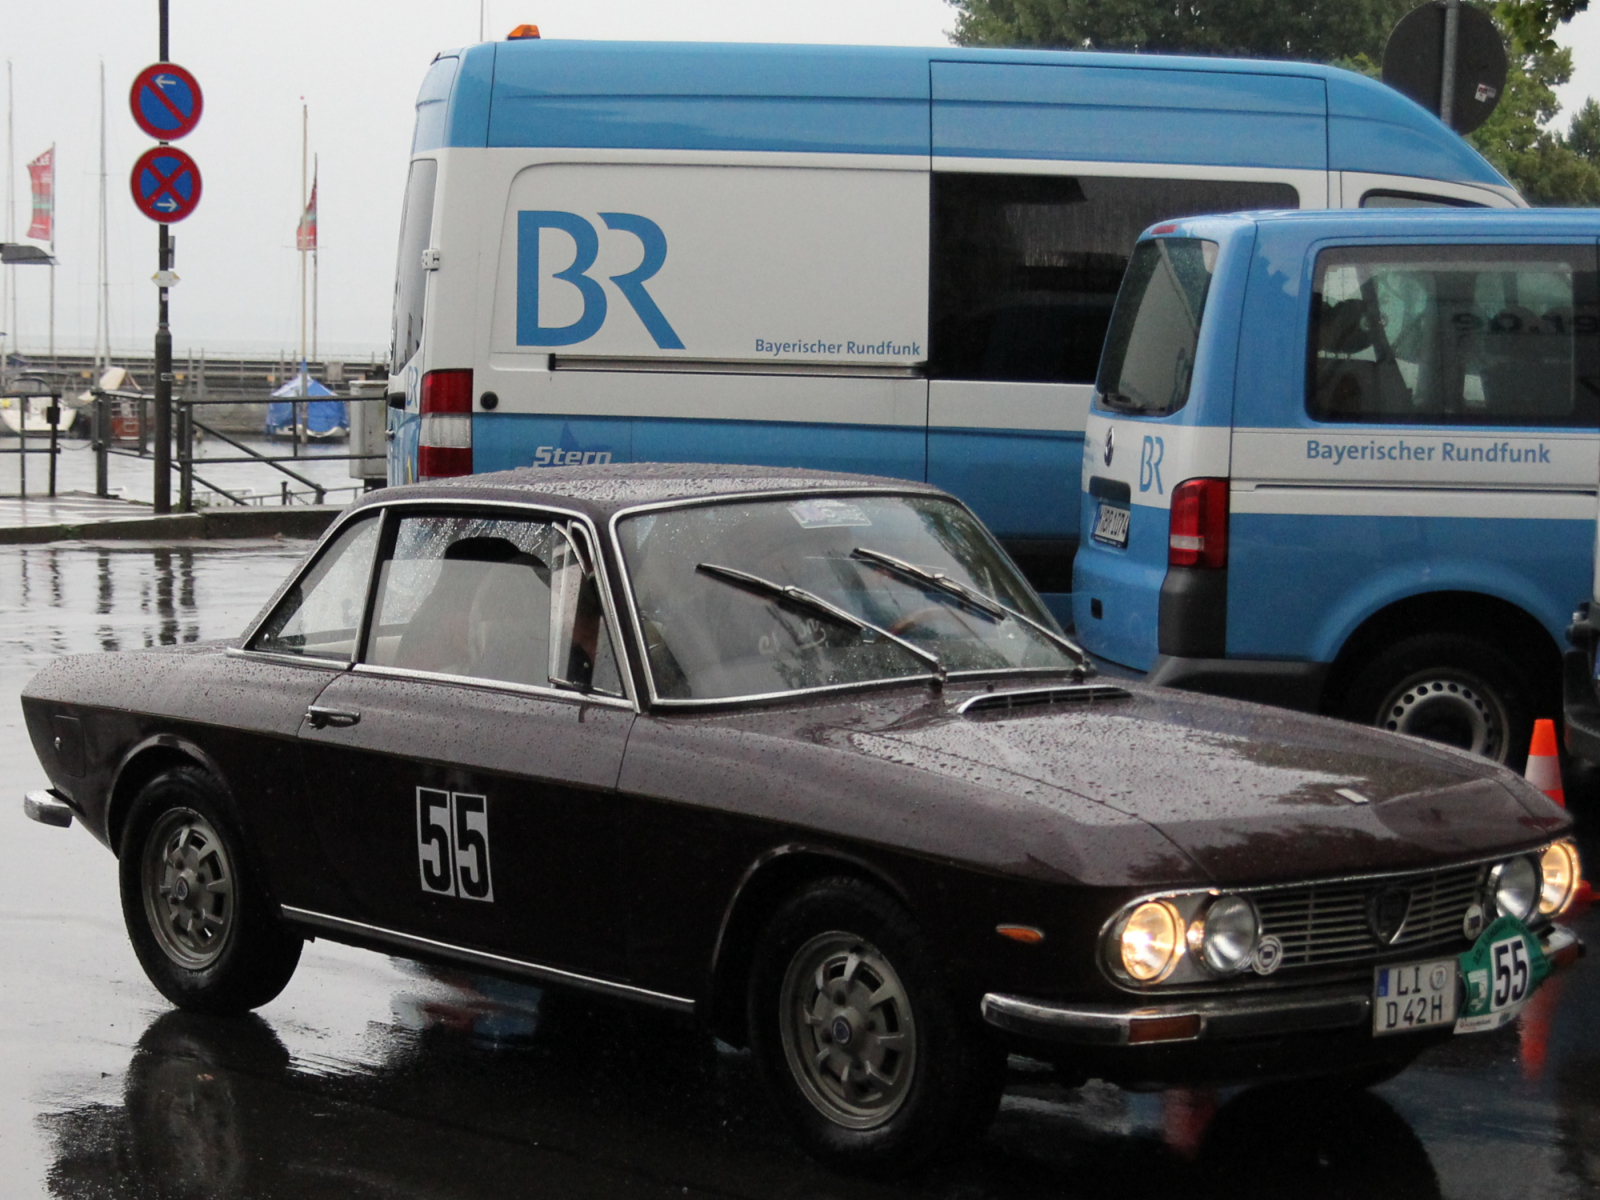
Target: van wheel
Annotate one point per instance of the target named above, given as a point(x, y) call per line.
point(859, 1043)
point(1448, 688)
point(197, 915)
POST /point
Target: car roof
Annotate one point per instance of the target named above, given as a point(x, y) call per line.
point(603, 489)
point(1464, 223)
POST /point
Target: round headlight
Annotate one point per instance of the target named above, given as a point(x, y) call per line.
point(1231, 931)
point(1515, 883)
point(1559, 865)
point(1151, 941)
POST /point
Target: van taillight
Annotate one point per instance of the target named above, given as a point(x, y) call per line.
point(1198, 530)
point(444, 447)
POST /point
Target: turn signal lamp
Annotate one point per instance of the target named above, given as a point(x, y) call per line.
point(1559, 866)
point(444, 444)
point(1026, 934)
point(1198, 526)
point(1152, 941)
point(523, 31)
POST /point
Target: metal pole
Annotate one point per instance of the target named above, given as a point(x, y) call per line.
point(55, 433)
point(185, 457)
point(102, 432)
point(163, 456)
point(1447, 76)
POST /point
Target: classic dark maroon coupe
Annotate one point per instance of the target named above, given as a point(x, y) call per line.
point(805, 756)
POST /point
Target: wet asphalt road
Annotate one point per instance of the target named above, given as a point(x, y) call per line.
point(371, 1077)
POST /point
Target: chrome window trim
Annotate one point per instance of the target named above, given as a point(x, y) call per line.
point(411, 941)
point(335, 665)
point(521, 508)
point(656, 701)
point(372, 670)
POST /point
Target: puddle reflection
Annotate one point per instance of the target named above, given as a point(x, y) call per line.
point(483, 1088)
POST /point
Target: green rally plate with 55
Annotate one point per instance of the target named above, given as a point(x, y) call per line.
point(1501, 971)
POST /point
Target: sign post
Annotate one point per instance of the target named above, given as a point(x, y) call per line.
point(166, 103)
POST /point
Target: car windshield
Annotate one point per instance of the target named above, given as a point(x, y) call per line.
point(710, 634)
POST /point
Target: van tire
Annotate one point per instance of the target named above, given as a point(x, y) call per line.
point(1448, 687)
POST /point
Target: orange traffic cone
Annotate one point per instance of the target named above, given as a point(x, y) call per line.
point(1544, 762)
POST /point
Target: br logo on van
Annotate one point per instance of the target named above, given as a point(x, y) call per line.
point(1151, 452)
point(630, 283)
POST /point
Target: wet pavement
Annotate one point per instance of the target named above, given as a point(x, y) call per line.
point(370, 1076)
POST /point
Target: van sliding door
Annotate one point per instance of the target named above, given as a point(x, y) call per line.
point(1043, 178)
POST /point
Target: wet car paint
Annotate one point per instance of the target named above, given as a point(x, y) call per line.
point(369, 1077)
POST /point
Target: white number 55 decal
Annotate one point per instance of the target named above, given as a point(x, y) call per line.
point(453, 844)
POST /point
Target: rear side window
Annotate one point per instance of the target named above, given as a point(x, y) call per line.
point(410, 280)
point(1461, 335)
point(1025, 268)
point(1387, 199)
point(1150, 347)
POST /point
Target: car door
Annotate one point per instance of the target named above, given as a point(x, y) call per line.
point(463, 789)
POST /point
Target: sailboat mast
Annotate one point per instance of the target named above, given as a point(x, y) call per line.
point(314, 173)
point(8, 303)
point(102, 295)
point(303, 202)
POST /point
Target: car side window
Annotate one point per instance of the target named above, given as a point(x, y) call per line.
point(1456, 335)
point(465, 595)
point(320, 616)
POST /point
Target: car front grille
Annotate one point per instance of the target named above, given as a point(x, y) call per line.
point(1327, 924)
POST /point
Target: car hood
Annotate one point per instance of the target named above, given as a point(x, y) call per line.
point(1250, 794)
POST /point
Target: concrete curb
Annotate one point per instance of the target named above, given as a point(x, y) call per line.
point(306, 521)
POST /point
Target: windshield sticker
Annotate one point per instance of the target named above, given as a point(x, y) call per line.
point(828, 514)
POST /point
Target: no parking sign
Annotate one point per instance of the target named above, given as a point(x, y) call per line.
point(166, 101)
point(166, 184)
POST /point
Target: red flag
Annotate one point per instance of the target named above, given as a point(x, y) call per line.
point(305, 235)
point(42, 172)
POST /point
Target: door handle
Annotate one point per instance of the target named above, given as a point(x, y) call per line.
point(339, 718)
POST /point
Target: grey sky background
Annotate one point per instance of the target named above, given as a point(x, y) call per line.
point(357, 64)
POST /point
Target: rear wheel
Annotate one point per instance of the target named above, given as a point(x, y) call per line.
point(1450, 688)
point(859, 1043)
point(197, 915)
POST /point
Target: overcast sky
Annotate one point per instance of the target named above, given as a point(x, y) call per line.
point(357, 64)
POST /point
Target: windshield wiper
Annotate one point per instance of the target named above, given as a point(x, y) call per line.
point(1120, 400)
point(811, 602)
point(969, 596)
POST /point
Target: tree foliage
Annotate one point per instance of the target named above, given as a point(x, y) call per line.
point(1548, 167)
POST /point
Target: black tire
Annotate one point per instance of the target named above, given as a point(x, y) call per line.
point(197, 914)
point(1450, 688)
point(938, 1079)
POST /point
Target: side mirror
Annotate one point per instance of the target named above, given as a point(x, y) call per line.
point(396, 399)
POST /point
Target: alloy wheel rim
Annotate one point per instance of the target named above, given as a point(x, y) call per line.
point(188, 888)
point(848, 1031)
point(1449, 707)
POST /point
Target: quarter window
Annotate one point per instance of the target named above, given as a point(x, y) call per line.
point(1026, 267)
point(321, 614)
point(1155, 331)
point(1486, 335)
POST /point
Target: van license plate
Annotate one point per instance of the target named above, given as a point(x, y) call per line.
point(1111, 525)
point(1414, 996)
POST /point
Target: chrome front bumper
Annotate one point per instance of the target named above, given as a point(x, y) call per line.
point(1218, 1018)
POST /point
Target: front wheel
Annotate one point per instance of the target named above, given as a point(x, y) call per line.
point(858, 1041)
point(197, 915)
point(1448, 688)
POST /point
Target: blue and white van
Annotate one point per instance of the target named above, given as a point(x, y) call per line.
point(1347, 462)
point(891, 260)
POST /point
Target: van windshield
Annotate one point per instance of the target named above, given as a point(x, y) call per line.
point(1150, 347)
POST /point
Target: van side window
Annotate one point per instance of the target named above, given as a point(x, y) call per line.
point(1462, 335)
point(410, 280)
point(1025, 268)
point(1382, 198)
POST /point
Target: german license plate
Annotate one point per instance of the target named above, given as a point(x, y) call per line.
point(1111, 524)
point(1414, 996)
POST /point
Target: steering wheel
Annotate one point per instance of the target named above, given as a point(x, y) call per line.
point(916, 617)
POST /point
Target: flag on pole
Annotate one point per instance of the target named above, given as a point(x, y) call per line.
point(305, 236)
point(42, 172)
